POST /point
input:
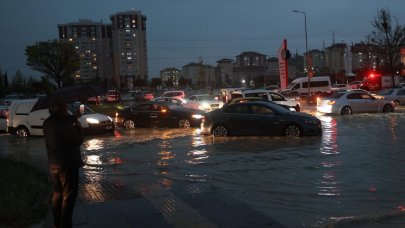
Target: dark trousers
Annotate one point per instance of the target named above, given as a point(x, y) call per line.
point(65, 186)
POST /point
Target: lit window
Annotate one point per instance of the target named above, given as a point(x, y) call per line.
point(129, 57)
point(127, 30)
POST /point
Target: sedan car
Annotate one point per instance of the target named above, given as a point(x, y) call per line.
point(353, 101)
point(397, 95)
point(160, 114)
point(204, 102)
point(259, 118)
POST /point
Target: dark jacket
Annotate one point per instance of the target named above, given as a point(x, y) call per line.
point(63, 137)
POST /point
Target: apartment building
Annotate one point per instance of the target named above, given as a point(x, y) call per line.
point(93, 43)
point(130, 50)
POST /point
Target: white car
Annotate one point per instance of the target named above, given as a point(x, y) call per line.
point(397, 95)
point(25, 120)
point(353, 101)
point(174, 93)
point(204, 102)
point(337, 87)
point(268, 95)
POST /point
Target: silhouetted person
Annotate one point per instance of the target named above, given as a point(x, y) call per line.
point(63, 137)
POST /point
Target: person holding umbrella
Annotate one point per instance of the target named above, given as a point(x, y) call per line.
point(63, 137)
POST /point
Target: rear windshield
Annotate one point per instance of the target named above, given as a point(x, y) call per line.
point(337, 95)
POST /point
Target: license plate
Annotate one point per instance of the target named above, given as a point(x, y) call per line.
point(108, 127)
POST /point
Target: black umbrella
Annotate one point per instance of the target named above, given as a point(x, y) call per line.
point(67, 95)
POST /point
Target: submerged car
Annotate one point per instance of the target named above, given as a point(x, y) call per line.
point(397, 95)
point(159, 114)
point(259, 118)
point(353, 101)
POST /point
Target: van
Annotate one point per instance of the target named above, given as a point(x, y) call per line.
point(24, 121)
point(317, 84)
point(267, 95)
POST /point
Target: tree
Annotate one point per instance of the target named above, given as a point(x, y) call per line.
point(57, 59)
point(19, 82)
point(389, 36)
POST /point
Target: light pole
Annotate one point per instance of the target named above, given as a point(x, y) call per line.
point(306, 48)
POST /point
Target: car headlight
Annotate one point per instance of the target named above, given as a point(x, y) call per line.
point(205, 106)
point(197, 116)
point(92, 120)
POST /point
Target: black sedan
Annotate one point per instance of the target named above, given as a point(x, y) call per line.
point(159, 114)
point(257, 118)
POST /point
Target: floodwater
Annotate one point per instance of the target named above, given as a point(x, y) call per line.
point(352, 174)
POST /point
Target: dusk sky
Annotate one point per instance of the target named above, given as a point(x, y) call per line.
point(182, 31)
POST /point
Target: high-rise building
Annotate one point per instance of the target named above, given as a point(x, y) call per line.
point(130, 52)
point(93, 43)
point(170, 76)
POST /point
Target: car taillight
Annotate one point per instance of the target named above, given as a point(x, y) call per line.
point(331, 102)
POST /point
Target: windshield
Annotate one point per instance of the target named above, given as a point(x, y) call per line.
point(174, 106)
point(80, 109)
point(337, 95)
point(204, 98)
point(290, 85)
point(10, 97)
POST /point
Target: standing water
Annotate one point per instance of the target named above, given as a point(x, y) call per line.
point(351, 174)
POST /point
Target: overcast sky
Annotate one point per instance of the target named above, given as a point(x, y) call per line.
point(182, 31)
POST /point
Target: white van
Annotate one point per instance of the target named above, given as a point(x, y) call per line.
point(23, 122)
point(317, 84)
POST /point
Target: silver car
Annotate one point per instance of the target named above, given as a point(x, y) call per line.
point(397, 95)
point(353, 101)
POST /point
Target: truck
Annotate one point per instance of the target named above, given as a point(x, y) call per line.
point(376, 82)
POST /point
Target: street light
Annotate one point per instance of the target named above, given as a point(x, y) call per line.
point(306, 47)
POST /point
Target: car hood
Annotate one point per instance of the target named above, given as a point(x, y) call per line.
point(303, 114)
point(98, 116)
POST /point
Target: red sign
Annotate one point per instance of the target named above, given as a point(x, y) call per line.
point(283, 55)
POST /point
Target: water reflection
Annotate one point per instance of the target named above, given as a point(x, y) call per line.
point(329, 137)
point(93, 144)
point(328, 185)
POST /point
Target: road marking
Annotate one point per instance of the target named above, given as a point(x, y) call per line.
point(174, 210)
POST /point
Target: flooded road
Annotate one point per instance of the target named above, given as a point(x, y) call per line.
point(354, 172)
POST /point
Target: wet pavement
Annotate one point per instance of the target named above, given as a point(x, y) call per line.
point(349, 177)
point(111, 205)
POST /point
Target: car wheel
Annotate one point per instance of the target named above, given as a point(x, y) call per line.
point(22, 132)
point(293, 131)
point(129, 124)
point(387, 108)
point(184, 123)
point(220, 131)
point(346, 111)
